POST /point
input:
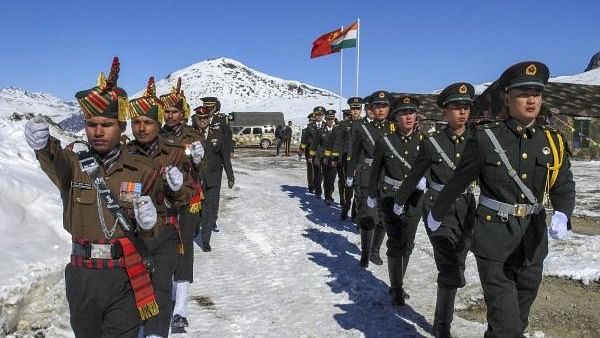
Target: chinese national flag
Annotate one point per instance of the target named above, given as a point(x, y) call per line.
point(322, 45)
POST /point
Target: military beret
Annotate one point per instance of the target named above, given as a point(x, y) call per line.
point(525, 74)
point(318, 110)
point(456, 92)
point(355, 102)
point(406, 102)
point(381, 96)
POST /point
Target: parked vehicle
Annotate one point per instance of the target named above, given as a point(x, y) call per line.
point(251, 136)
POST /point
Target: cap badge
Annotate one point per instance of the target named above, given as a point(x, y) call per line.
point(406, 100)
point(531, 70)
point(381, 95)
point(462, 89)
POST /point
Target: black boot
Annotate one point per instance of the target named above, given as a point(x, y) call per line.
point(377, 241)
point(405, 260)
point(444, 311)
point(366, 241)
point(395, 271)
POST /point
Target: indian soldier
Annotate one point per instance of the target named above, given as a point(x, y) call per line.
point(146, 114)
point(438, 157)
point(364, 136)
point(216, 157)
point(343, 145)
point(394, 155)
point(326, 154)
point(218, 122)
point(303, 150)
point(177, 111)
point(111, 200)
point(312, 136)
point(518, 163)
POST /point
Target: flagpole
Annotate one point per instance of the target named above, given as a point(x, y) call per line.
point(341, 78)
point(357, 53)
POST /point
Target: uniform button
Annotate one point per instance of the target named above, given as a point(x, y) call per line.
point(522, 195)
point(78, 199)
point(454, 137)
point(524, 156)
point(488, 218)
point(457, 155)
point(406, 152)
point(524, 176)
point(498, 163)
point(519, 128)
point(524, 135)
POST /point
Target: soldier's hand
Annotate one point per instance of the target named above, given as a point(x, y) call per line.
point(326, 161)
point(558, 226)
point(398, 209)
point(422, 185)
point(333, 163)
point(371, 202)
point(197, 151)
point(145, 212)
point(231, 183)
point(174, 178)
point(349, 181)
point(37, 133)
point(432, 224)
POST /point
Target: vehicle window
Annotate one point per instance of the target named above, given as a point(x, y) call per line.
point(256, 130)
point(246, 131)
point(235, 130)
point(269, 129)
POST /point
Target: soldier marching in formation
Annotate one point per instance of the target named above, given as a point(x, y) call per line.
point(517, 163)
point(134, 207)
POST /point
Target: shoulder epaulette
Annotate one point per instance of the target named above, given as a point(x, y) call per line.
point(487, 125)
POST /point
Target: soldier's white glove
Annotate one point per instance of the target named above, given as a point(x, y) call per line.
point(349, 181)
point(371, 202)
point(422, 185)
point(174, 178)
point(197, 151)
point(432, 224)
point(145, 212)
point(37, 133)
point(398, 209)
point(558, 226)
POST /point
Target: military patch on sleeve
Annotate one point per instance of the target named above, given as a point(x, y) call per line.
point(130, 191)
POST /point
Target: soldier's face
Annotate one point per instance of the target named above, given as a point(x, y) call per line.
point(330, 122)
point(318, 118)
point(203, 122)
point(381, 111)
point(406, 119)
point(355, 112)
point(103, 133)
point(144, 129)
point(370, 113)
point(211, 108)
point(523, 104)
point(173, 116)
point(457, 114)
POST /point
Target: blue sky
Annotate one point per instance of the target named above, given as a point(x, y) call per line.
point(412, 46)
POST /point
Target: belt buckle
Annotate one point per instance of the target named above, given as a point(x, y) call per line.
point(101, 251)
point(520, 210)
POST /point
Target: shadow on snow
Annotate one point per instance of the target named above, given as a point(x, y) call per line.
point(369, 308)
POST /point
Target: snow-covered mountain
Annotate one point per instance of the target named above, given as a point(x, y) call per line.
point(16, 100)
point(241, 88)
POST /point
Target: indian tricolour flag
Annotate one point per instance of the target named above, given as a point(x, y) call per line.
point(347, 39)
point(335, 41)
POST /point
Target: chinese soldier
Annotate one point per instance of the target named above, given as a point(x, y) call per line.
point(303, 150)
point(326, 154)
point(176, 113)
point(395, 152)
point(216, 158)
point(364, 137)
point(343, 145)
point(438, 157)
point(517, 163)
point(111, 199)
point(312, 136)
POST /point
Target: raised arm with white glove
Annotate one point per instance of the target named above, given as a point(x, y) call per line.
point(398, 209)
point(37, 133)
point(145, 212)
point(422, 185)
point(349, 181)
point(371, 202)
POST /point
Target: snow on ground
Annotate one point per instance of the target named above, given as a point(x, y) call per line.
point(283, 264)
